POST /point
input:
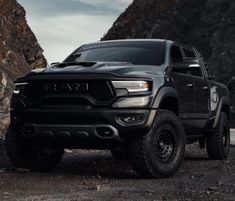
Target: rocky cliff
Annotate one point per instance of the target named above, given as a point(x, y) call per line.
point(208, 25)
point(19, 53)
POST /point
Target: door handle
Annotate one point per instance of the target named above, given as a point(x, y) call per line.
point(205, 87)
point(190, 85)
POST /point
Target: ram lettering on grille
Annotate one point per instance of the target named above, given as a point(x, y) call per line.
point(65, 87)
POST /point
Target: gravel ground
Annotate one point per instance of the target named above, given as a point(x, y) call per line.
point(95, 175)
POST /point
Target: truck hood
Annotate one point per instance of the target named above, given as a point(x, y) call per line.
point(115, 68)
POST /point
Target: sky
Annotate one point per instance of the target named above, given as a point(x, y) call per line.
point(61, 26)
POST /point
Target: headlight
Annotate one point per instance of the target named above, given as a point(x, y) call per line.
point(132, 86)
point(19, 87)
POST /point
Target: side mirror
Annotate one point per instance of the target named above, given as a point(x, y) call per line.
point(179, 66)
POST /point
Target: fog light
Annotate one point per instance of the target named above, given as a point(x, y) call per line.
point(131, 118)
point(104, 132)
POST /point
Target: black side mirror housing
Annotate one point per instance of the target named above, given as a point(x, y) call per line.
point(179, 66)
point(185, 66)
point(187, 63)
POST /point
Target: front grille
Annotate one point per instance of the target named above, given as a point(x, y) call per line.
point(67, 93)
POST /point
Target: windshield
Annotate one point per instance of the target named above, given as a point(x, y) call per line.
point(138, 53)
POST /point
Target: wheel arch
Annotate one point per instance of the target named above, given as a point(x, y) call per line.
point(223, 106)
point(167, 98)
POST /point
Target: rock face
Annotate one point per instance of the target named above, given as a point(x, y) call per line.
point(19, 53)
point(208, 25)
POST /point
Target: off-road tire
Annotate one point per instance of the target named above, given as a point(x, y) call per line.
point(27, 156)
point(218, 142)
point(120, 154)
point(146, 150)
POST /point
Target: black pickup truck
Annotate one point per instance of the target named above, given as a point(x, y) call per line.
point(141, 99)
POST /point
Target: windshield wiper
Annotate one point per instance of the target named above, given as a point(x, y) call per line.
point(85, 64)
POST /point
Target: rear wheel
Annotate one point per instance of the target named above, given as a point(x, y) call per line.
point(29, 156)
point(160, 152)
point(218, 142)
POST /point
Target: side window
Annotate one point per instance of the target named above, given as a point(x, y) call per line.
point(176, 55)
point(189, 53)
point(177, 58)
point(204, 64)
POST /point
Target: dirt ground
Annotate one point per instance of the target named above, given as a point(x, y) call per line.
point(95, 175)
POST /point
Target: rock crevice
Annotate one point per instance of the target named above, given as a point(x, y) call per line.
point(19, 53)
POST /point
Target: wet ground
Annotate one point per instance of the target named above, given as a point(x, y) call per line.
point(95, 175)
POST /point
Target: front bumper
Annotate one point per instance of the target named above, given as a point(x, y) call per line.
point(74, 126)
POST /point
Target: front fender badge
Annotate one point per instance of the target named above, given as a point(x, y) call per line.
point(214, 98)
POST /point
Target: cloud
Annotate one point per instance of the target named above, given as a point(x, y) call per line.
point(61, 26)
point(61, 35)
point(50, 8)
point(107, 3)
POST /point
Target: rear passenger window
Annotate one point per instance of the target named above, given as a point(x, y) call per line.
point(189, 53)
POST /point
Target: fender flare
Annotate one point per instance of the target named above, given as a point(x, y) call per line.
point(224, 101)
point(163, 93)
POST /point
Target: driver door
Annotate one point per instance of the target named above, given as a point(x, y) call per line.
point(184, 84)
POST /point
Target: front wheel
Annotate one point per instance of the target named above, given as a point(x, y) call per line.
point(29, 156)
point(218, 142)
point(160, 152)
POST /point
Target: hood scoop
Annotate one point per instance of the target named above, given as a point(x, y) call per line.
point(91, 64)
point(85, 64)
